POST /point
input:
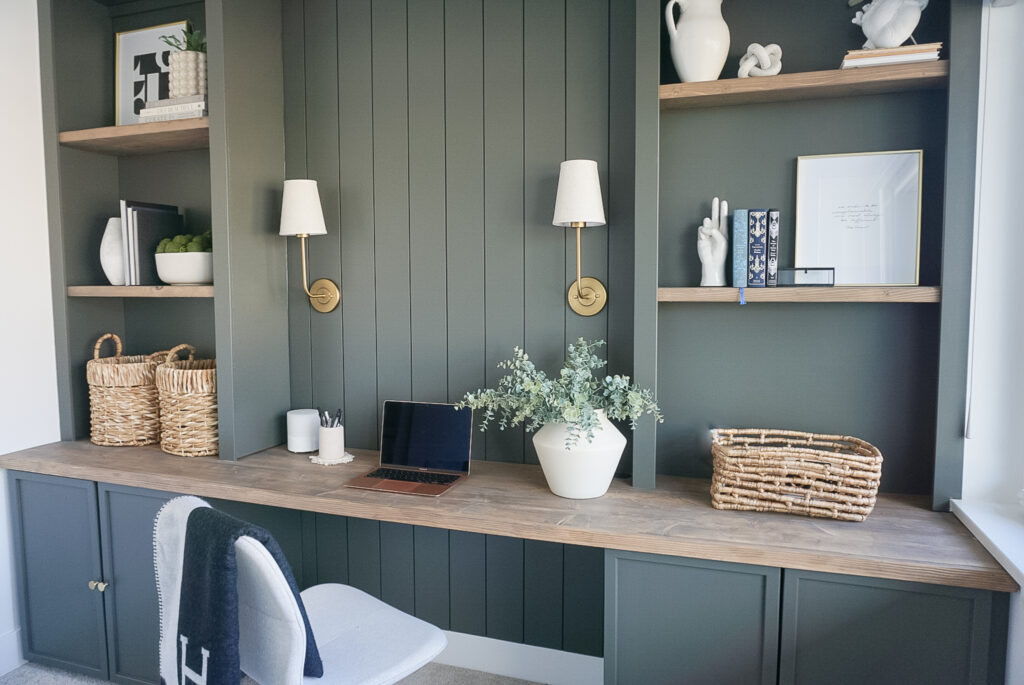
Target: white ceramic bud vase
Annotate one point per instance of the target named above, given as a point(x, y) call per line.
point(700, 39)
point(111, 255)
point(187, 73)
point(585, 470)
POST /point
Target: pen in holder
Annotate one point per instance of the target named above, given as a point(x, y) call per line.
point(332, 443)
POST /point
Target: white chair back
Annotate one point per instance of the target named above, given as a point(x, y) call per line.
point(271, 634)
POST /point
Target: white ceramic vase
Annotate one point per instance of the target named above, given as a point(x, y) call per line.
point(187, 73)
point(111, 255)
point(700, 39)
point(585, 470)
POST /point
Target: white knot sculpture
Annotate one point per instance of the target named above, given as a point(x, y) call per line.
point(761, 60)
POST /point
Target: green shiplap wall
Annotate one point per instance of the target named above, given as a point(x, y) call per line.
point(435, 129)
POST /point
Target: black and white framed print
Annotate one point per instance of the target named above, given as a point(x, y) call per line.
point(142, 69)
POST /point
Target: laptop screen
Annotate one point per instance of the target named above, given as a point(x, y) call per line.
point(424, 435)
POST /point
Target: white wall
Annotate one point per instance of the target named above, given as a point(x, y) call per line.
point(994, 454)
point(28, 378)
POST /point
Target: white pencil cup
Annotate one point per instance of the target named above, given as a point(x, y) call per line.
point(332, 442)
point(302, 430)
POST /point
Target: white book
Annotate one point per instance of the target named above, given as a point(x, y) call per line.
point(176, 101)
point(170, 109)
point(172, 116)
point(901, 50)
point(893, 59)
point(125, 253)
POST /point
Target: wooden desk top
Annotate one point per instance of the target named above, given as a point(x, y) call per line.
point(902, 539)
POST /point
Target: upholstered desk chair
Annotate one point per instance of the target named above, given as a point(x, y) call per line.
point(360, 638)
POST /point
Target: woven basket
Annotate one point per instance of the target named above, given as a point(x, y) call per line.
point(830, 476)
point(123, 405)
point(188, 405)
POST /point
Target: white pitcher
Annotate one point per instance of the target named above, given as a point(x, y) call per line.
point(700, 40)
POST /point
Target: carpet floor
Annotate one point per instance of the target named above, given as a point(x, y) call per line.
point(431, 674)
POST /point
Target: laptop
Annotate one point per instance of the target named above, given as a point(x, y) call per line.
point(424, 449)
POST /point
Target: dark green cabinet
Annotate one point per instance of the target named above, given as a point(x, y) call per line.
point(67, 533)
point(57, 545)
point(671, 620)
point(842, 630)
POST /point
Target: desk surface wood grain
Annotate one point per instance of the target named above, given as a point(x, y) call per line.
point(902, 539)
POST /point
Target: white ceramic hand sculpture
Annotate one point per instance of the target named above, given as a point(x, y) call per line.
point(888, 23)
point(713, 244)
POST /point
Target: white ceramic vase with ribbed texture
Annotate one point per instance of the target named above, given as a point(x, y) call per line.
point(586, 469)
point(187, 73)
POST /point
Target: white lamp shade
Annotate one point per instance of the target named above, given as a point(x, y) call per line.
point(579, 194)
point(300, 209)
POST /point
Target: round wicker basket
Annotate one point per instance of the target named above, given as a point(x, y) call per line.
point(188, 405)
point(831, 476)
point(123, 406)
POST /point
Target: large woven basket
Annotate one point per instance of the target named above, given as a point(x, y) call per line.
point(188, 405)
point(830, 476)
point(123, 405)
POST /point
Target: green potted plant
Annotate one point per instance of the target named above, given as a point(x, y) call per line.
point(577, 445)
point(187, 63)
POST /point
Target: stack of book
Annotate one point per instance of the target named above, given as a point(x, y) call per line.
point(190, 107)
point(755, 248)
point(925, 52)
point(143, 226)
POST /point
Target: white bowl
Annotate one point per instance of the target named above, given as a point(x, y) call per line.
point(185, 268)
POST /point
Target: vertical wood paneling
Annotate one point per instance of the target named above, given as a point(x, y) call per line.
point(469, 582)
point(586, 137)
point(542, 594)
point(357, 221)
point(543, 151)
point(427, 218)
point(583, 608)
point(391, 199)
point(293, 48)
point(431, 562)
point(463, 39)
point(364, 555)
point(397, 586)
point(331, 549)
point(322, 126)
point(505, 588)
point(503, 201)
point(309, 552)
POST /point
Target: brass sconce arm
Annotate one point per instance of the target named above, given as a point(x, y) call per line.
point(324, 295)
point(587, 296)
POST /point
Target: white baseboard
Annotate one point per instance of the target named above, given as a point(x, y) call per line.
point(515, 660)
point(10, 651)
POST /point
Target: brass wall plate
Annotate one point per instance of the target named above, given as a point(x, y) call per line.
point(592, 299)
point(325, 295)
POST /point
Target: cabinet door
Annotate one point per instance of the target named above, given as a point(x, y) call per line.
point(672, 620)
point(133, 615)
point(57, 547)
point(840, 629)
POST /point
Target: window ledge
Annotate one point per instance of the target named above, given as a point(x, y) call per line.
point(1000, 528)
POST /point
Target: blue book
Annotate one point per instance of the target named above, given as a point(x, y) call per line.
point(772, 275)
point(739, 248)
point(757, 246)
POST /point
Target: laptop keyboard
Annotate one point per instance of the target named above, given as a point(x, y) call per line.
point(413, 476)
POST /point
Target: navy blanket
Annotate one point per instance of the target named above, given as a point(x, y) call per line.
point(208, 614)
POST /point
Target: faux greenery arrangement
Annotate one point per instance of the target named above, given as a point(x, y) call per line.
point(186, 242)
point(192, 39)
point(525, 395)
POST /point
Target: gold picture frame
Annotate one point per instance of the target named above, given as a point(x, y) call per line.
point(861, 214)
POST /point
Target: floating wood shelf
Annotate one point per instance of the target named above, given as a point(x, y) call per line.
point(848, 293)
point(140, 291)
point(806, 85)
point(142, 139)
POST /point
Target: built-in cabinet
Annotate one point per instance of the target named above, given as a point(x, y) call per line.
point(670, 620)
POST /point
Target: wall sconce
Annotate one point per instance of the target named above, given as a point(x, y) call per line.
point(578, 204)
point(302, 216)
